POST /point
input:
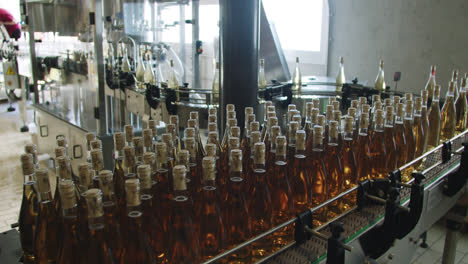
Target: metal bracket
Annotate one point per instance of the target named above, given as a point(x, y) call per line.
point(304, 220)
point(446, 151)
point(406, 221)
point(455, 181)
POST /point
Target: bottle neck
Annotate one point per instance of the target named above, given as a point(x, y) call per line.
point(70, 212)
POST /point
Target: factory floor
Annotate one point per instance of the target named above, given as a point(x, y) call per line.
point(11, 187)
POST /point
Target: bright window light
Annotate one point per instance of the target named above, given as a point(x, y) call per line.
point(298, 23)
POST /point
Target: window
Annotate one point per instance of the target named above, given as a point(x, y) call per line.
point(302, 28)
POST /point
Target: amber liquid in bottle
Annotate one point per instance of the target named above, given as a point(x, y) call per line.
point(109, 204)
point(334, 170)
point(400, 140)
point(136, 244)
point(348, 161)
point(99, 249)
point(299, 176)
point(163, 191)
point(46, 233)
point(29, 207)
point(434, 118)
point(362, 152)
point(236, 213)
point(318, 177)
point(448, 116)
point(461, 110)
point(389, 140)
point(212, 234)
point(69, 250)
point(418, 130)
point(119, 181)
point(260, 203)
point(281, 194)
point(377, 151)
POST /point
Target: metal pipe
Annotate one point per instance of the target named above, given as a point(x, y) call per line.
point(98, 53)
point(195, 36)
point(182, 40)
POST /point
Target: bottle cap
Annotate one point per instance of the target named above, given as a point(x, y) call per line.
point(378, 105)
point(315, 113)
point(60, 151)
point(183, 158)
point(63, 167)
point(31, 149)
point(379, 117)
point(291, 107)
point(190, 132)
point(144, 174)
point(148, 138)
point(129, 156)
point(318, 138)
point(194, 115)
point(300, 140)
point(355, 104)
point(148, 158)
point(281, 146)
point(27, 164)
point(105, 183)
point(97, 160)
point(192, 123)
point(375, 98)
point(309, 106)
point(231, 115)
point(235, 131)
point(67, 193)
point(96, 144)
point(250, 119)
point(254, 126)
point(210, 149)
point(352, 112)
point(209, 169)
point(364, 121)
point(230, 107)
point(232, 122)
point(174, 119)
point(400, 109)
point(212, 127)
point(179, 174)
point(333, 129)
point(349, 123)
point(337, 115)
point(212, 119)
point(249, 110)
point(128, 133)
point(259, 153)
point(94, 203)
point(119, 141)
point(167, 138)
point(331, 99)
point(387, 102)
point(366, 108)
point(132, 191)
point(255, 137)
point(84, 172)
point(336, 105)
point(437, 91)
point(424, 95)
point(212, 111)
point(409, 107)
point(451, 88)
point(42, 176)
point(408, 96)
point(329, 112)
point(316, 103)
point(213, 137)
point(275, 132)
point(161, 152)
point(271, 108)
point(362, 100)
point(297, 118)
point(293, 127)
point(170, 129)
point(234, 143)
point(61, 141)
point(321, 120)
point(236, 160)
point(389, 113)
point(273, 121)
point(90, 137)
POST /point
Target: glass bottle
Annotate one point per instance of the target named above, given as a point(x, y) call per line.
point(112, 229)
point(377, 151)
point(163, 191)
point(29, 208)
point(97, 164)
point(399, 135)
point(32, 149)
point(260, 202)
point(195, 168)
point(461, 110)
point(340, 77)
point(212, 233)
point(140, 70)
point(275, 132)
point(129, 134)
point(215, 86)
point(89, 138)
point(430, 85)
point(119, 181)
point(281, 194)
point(136, 245)
point(455, 83)
point(147, 135)
point(46, 233)
point(174, 120)
point(85, 173)
point(362, 149)
point(98, 250)
point(380, 80)
point(63, 171)
point(297, 78)
point(348, 161)
point(418, 128)
point(318, 185)
point(69, 250)
point(448, 115)
point(126, 63)
point(293, 127)
point(262, 83)
point(173, 82)
point(183, 244)
point(236, 213)
point(409, 135)
point(334, 169)
point(148, 76)
point(434, 118)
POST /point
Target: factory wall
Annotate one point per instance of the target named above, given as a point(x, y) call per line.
point(408, 35)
